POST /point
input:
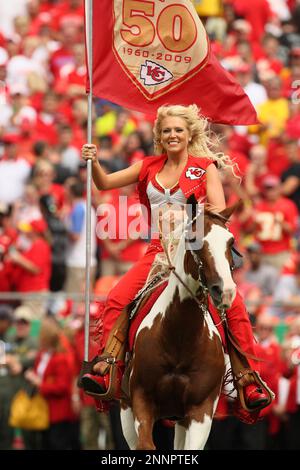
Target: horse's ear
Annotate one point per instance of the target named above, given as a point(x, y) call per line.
point(192, 206)
point(227, 213)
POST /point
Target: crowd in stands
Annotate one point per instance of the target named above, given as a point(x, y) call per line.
point(43, 122)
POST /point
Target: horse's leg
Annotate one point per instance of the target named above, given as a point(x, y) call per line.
point(143, 420)
point(128, 428)
point(179, 438)
point(199, 424)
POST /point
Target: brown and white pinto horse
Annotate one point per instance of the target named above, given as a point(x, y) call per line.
point(178, 363)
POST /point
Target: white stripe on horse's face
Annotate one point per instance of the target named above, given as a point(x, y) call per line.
point(217, 239)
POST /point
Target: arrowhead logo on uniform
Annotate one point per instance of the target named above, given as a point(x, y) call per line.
point(153, 73)
point(194, 173)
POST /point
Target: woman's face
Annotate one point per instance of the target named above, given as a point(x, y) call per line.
point(174, 134)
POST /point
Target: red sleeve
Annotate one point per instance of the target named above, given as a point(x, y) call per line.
point(206, 162)
point(291, 214)
point(61, 379)
point(37, 253)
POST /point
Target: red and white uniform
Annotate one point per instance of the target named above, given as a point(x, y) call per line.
point(191, 181)
point(39, 254)
point(269, 218)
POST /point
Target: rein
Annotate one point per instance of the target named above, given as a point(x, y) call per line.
point(172, 269)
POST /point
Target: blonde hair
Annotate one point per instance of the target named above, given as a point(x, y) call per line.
point(50, 335)
point(201, 144)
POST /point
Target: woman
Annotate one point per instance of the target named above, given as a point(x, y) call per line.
point(186, 165)
point(31, 259)
point(53, 376)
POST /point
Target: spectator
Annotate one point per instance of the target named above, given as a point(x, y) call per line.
point(53, 377)
point(8, 385)
point(8, 11)
point(59, 242)
point(258, 13)
point(291, 176)
point(75, 258)
point(260, 274)
point(269, 350)
point(24, 348)
point(27, 208)
point(70, 155)
point(245, 76)
point(256, 171)
point(47, 119)
point(14, 171)
point(8, 236)
point(273, 223)
point(73, 77)
point(43, 179)
point(32, 262)
point(292, 371)
point(120, 250)
point(24, 69)
point(287, 294)
point(96, 432)
point(274, 113)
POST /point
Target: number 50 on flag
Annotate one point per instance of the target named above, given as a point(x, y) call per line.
point(158, 45)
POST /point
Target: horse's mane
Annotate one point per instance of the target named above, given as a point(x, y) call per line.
point(211, 211)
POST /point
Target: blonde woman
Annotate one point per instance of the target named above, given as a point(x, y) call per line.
point(186, 165)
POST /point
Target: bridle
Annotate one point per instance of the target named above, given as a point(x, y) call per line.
point(170, 266)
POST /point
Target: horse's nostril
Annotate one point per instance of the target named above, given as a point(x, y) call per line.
point(216, 291)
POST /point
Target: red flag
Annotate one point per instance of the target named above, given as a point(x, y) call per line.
point(150, 53)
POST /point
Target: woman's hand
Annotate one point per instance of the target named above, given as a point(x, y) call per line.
point(32, 377)
point(89, 152)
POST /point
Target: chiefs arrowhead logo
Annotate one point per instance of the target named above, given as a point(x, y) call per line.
point(153, 73)
point(159, 45)
point(194, 173)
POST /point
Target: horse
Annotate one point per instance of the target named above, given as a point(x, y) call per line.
point(178, 362)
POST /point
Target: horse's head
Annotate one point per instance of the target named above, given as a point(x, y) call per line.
point(209, 255)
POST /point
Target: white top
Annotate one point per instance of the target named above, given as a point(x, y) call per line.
point(8, 11)
point(158, 197)
point(170, 202)
point(13, 177)
point(45, 358)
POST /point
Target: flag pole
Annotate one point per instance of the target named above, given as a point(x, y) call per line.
point(89, 40)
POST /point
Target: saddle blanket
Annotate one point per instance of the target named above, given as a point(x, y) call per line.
point(145, 309)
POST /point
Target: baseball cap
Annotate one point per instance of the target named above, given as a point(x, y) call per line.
point(23, 313)
point(37, 225)
point(6, 313)
point(270, 181)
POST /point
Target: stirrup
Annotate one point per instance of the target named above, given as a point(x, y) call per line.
point(86, 368)
point(113, 389)
point(259, 382)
